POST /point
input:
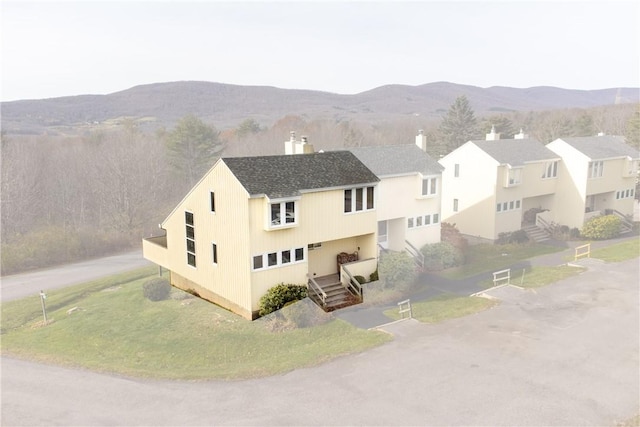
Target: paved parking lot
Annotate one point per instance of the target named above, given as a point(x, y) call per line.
point(564, 355)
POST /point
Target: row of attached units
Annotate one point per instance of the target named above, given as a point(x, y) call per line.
point(253, 222)
point(496, 186)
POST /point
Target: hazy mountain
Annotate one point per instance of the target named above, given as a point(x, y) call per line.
point(225, 105)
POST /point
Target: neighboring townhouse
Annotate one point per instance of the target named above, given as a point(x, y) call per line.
point(599, 177)
point(490, 185)
point(253, 222)
point(408, 194)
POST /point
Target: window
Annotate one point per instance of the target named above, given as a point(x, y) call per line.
point(419, 221)
point(550, 170)
point(190, 238)
point(515, 176)
point(409, 222)
point(283, 213)
point(347, 200)
point(369, 197)
point(436, 218)
point(456, 170)
point(314, 246)
point(278, 259)
point(214, 252)
point(595, 169)
point(257, 262)
point(272, 259)
point(429, 186)
point(624, 194)
point(455, 205)
point(427, 219)
point(212, 201)
point(359, 199)
point(508, 206)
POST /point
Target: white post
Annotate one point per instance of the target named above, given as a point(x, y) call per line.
point(44, 307)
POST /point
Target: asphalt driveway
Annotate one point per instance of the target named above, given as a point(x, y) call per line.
point(565, 355)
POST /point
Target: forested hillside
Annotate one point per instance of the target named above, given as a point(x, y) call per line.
point(95, 191)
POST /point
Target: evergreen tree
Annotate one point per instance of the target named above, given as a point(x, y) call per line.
point(192, 148)
point(459, 125)
point(502, 124)
point(632, 132)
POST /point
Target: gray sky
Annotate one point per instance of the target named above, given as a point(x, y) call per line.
point(60, 48)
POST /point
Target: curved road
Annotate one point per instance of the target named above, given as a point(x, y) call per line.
point(22, 285)
point(564, 355)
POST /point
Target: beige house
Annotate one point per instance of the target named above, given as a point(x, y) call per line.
point(489, 185)
point(599, 176)
point(254, 222)
point(409, 194)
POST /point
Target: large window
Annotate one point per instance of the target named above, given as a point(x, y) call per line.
point(429, 186)
point(359, 199)
point(190, 238)
point(595, 169)
point(282, 213)
point(550, 170)
point(278, 258)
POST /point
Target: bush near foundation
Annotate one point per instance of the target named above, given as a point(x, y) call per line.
point(397, 270)
point(279, 295)
point(442, 255)
point(602, 227)
point(156, 289)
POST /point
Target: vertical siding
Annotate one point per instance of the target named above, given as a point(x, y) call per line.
point(227, 227)
point(475, 189)
point(569, 202)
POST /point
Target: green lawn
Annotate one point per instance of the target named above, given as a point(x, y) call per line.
point(444, 307)
point(536, 277)
point(618, 252)
point(115, 329)
point(490, 257)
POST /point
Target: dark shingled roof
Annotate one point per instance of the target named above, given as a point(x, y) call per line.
point(397, 160)
point(288, 175)
point(516, 152)
point(602, 147)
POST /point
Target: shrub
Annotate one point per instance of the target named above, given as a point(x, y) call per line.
point(602, 227)
point(373, 277)
point(156, 289)
point(397, 270)
point(279, 295)
point(519, 236)
point(438, 256)
point(360, 279)
point(450, 234)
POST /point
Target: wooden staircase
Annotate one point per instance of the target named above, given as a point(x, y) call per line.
point(536, 233)
point(329, 293)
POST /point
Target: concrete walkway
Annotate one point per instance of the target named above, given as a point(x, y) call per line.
point(431, 285)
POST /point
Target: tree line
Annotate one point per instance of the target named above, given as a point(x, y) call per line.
point(67, 198)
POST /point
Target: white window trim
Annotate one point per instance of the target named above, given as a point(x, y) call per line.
point(502, 207)
point(279, 263)
point(414, 221)
point(430, 185)
point(283, 209)
point(553, 166)
point(508, 182)
point(595, 169)
point(365, 199)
